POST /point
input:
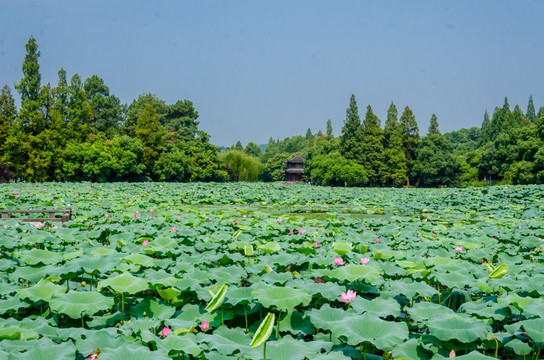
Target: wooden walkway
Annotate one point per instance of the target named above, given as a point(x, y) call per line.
point(65, 216)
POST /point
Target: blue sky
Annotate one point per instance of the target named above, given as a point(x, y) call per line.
point(261, 69)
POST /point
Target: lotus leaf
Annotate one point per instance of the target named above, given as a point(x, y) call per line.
point(351, 272)
point(124, 283)
point(75, 303)
point(284, 298)
point(465, 330)
point(43, 290)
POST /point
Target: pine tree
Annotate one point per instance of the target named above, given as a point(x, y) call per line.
point(372, 141)
point(309, 134)
point(395, 159)
point(351, 139)
point(8, 114)
point(329, 129)
point(149, 131)
point(79, 111)
point(433, 127)
point(531, 112)
point(486, 128)
point(410, 140)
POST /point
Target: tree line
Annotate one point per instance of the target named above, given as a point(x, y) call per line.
point(78, 131)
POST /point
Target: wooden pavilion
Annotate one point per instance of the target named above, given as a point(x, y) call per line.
point(295, 169)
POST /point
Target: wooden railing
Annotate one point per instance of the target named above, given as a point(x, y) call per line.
point(66, 215)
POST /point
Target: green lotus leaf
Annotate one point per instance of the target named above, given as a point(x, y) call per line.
point(409, 288)
point(228, 341)
point(129, 351)
point(378, 306)
point(294, 323)
point(342, 247)
point(168, 293)
point(44, 290)
point(411, 349)
point(518, 347)
point(270, 247)
point(186, 344)
point(153, 309)
point(103, 339)
point(354, 272)
point(263, 332)
point(534, 328)
point(139, 259)
point(217, 298)
point(290, 349)
point(46, 349)
point(39, 256)
point(284, 298)
point(124, 283)
point(17, 333)
point(75, 304)
point(422, 311)
point(325, 317)
point(11, 305)
point(465, 330)
point(371, 329)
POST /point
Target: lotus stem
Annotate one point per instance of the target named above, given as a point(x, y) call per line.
point(245, 316)
point(496, 348)
point(264, 351)
point(451, 295)
point(222, 322)
point(122, 308)
point(278, 330)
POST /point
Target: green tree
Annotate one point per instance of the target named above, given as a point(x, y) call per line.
point(373, 150)
point(395, 159)
point(309, 134)
point(253, 149)
point(351, 145)
point(531, 112)
point(107, 111)
point(335, 170)
point(8, 115)
point(136, 108)
point(433, 127)
point(238, 146)
point(240, 166)
point(329, 128)
point(486, 128)
point(150, 133)
point(435, 163)
point(410, 140)
point(79, 111)
point(273, 166)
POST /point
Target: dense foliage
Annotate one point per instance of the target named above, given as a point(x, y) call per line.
point(77, 130)
point(219, 271)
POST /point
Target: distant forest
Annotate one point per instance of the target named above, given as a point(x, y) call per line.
point(79, 131)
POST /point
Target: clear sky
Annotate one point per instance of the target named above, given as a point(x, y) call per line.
point(260, 69)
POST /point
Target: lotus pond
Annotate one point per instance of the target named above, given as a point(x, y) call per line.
point(247, 271)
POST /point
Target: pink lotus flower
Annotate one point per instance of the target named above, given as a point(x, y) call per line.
point(364, 261)
point(145, 243)
point(279, 219)
point(180, 217)
point(363, 227)
point(319, 280)
point(348, 297)
point(459, 248)
point(244, 216)
point(137, 215)
point(452, 354)
point(316, 244)
point(106, 215)
point(540, 239)
point(92, 357)
point(291, 232)
point(204, 326)
point(175, 229)
point(301, 231)
point(152, 214)
point(339, 261)
point(165, 331)
point(377, 240)
point(433, 235)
